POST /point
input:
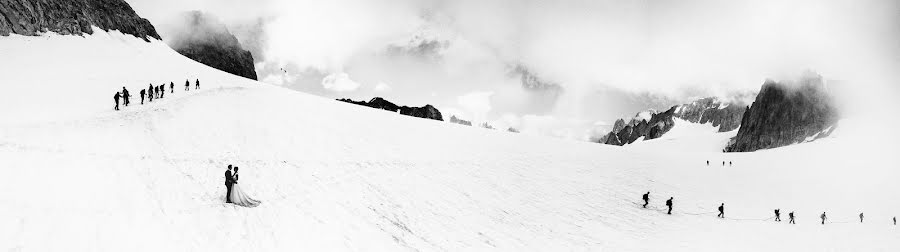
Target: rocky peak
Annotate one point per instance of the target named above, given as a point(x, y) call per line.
point(786, 113)
point(72, 17)
point(646, 125)
point(207, 40)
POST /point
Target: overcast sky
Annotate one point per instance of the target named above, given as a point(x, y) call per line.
point(595, 60)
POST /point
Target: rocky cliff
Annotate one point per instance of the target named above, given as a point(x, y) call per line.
point(785, 114)
point(428, 111)
point(726, 116)
point(205, 39)
point(72, 17)
point(646, 125)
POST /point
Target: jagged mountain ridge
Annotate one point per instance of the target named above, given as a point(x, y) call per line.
point(427, 111)
point(72, 17)
point(651, 124)
point(725, 115)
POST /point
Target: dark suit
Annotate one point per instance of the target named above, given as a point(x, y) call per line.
point(228, 183)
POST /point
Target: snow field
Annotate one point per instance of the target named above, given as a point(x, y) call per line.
point(335, 176)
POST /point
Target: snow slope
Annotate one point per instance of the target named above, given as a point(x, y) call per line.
point(687, 136)
point(333, 176)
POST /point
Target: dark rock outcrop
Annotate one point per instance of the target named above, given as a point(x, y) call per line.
point(381, 103)
point(72, 17)
point(785, 114)
point(428, 111)
point(657, 125)
point(611, 136)
point(726, 116)
point(204, 39)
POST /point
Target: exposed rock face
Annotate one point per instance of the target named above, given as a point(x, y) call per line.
point(381, 103)
point(726, 116)
point(641, 127)
point(611, 136)
point(785, 114)
point(72, 17)
point(428, 111)
point(206, 40)
point(651, 125)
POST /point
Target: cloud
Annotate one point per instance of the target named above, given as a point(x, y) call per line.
point(326, 34)
point(548, 125)
point(382, 87)
point(339, 82)
point(604, 58)
point(278, 76)
point(477, 104)
point(631, 45)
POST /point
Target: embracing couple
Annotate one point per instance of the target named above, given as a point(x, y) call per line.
point(234, 194)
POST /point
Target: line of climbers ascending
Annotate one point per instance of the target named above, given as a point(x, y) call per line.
point(152, 92)
point(646, 198)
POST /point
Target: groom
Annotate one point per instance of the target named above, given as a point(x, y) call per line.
point(229, 182)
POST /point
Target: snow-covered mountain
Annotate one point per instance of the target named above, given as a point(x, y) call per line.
point(79, 176)
point(650, 124)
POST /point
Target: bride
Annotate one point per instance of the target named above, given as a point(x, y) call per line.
point(238, 197)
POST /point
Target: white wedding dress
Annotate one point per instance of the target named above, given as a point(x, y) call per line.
point(238, 197)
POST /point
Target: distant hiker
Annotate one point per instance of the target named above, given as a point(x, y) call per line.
point(721, 211)
point(860, 217)
point(172, 87)
point(707, 162)
point(823, 218)
point(162, 90)
point(646, 198)
point(150, 92)
point(143, 92)
point(156, 90)
point(723, 163)
point(125, 95)
point(198, 84)
point(777, 214)
point(729, 163)
point(895, 220)
point(116, 97)
point(187, 85)
point(791, 216)
point(669, 204)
